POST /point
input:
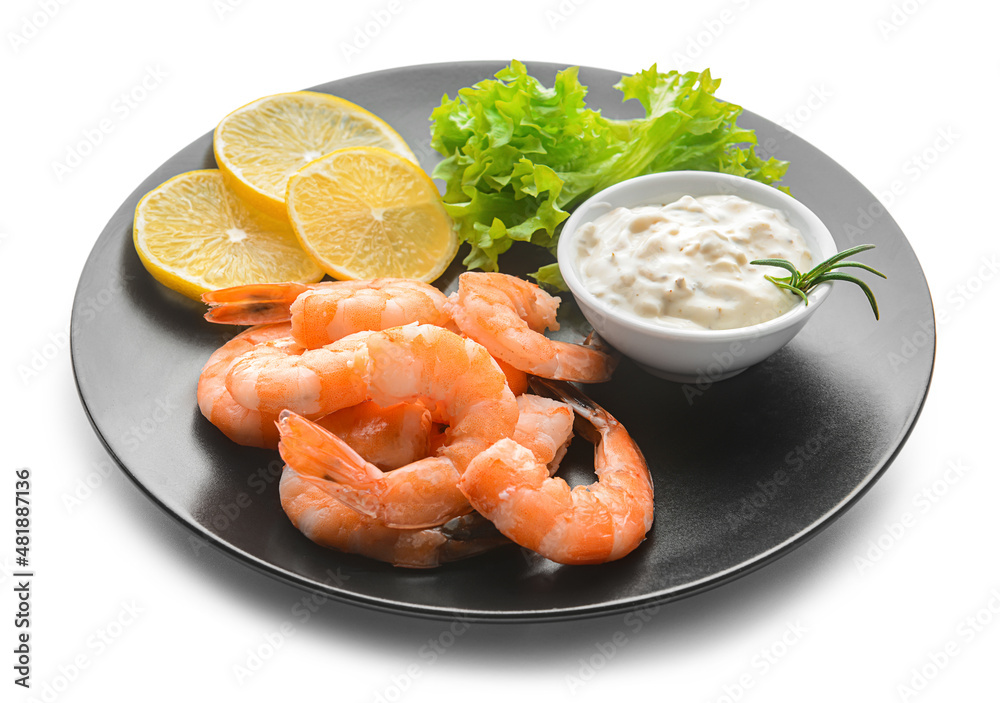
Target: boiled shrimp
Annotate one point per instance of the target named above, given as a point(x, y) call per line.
point(263, 303)
point(415, 363)
point(507, 315)
point(444, 370)
point(330, 523)
point(423, 492)
point(325, 312)
point(545, 427)
point(517, 380)
point(247, 426)
point(387, 437)
point(322, 313)
point(583, 525)
point(277, 375)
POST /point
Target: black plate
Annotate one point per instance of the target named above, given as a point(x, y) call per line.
point(744, 470)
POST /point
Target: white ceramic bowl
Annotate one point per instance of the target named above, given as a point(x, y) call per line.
point(686, 355)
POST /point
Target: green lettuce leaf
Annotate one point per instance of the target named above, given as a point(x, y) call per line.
point(550, 275)
point(519, 156)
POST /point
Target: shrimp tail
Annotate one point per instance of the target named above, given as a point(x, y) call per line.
point(371, 503)
point(470, 528)
point(255, 304)
point(588, 415)
point(361, 502)
point(469, 535)
point(315, 451)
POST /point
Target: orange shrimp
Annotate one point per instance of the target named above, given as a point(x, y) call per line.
point(507, 315)
point(314, 382)
point(408, 364)
point(322, 313)
point(444, 370)
point(263, 303)
point(243, 425)
point(332, 524)
point(420, 494)
point(517, 379)
point(387, 437)
point(325, 312)
point(545, 427)
point(583, 525)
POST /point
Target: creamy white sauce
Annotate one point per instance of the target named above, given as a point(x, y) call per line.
point(687, 264)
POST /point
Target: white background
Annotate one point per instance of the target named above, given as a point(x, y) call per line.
point(893, 75)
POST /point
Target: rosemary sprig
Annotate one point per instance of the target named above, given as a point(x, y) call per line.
point(800, 283)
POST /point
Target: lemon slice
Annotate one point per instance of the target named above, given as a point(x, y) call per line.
point(366, 213)
point(259, 146)
point(194, 235)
